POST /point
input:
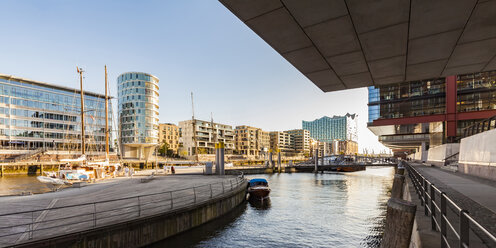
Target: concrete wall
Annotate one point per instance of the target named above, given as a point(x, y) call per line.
point(478, 155)
point(437, 154)
point(148, 230)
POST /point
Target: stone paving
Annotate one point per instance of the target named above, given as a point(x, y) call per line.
point(155, 197)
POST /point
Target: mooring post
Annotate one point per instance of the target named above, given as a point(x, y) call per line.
point(217, 162)
point(397, 190)
point(41, 169)
point(399, 223)
point(2, 170)
point(316, 169)
point(221, 158)
point(270, 158)
point(279, 160)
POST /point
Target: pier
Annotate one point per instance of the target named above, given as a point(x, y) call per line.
point(120, 212)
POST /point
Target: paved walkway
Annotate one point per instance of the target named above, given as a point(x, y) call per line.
point(476, 195)
point(48, 214)
point(479, 190)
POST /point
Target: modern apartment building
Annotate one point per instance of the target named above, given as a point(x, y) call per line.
point(38, 115)
point(327, 129)
point(301, 140)
point(169, 133)
point(282, 141)
point(251, 140)
point(206, 136)
point(413, 116)
point(138, 114)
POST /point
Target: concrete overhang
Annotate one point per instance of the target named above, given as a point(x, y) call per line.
point(345, 44)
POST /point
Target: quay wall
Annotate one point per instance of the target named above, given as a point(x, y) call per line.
point(26, 168)
point(148, 230)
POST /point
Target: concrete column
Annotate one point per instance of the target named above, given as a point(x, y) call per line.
point(423, 152)
point(399, 223)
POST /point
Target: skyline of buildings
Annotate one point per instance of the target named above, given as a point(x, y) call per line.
point(327, 129)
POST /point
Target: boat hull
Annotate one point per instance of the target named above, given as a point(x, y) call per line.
point(259, 192)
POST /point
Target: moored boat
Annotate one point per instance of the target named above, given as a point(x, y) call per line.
point(258, 188)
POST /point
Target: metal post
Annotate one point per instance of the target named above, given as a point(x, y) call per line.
point(433, 207)
point(211, 193)
point(464, 229)
point(94, 214)
point(316, 169)
point(426, 201)
point(222, 187)
point(231, 183)
point(221, 158)
point(139, 206)
point(194, 192)
point(217, 162)
point(172, 202)
point(443, 220)
point(32, 226)
point(421, 192)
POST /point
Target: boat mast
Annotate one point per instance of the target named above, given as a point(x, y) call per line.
point(106, 117)
point(80, 71)
point(194, 126)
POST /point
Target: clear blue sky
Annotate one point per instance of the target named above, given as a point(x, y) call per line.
point(189, 45)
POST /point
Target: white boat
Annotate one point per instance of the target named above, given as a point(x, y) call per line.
point(53, 181)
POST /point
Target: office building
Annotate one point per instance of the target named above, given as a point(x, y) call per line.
point(41, 116)
point(138, 114)
point(169, 133)
point(251, 140)
point(412, 116)
point(206, 136)
point(327, 129)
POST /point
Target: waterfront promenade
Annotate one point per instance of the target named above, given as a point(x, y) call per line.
point(473, 194)
point(101, 204)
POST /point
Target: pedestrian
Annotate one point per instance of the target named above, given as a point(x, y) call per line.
point(173, 171)
point(127, 171)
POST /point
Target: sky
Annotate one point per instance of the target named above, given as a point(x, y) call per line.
point(194, 46)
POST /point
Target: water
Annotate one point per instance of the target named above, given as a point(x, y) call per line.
point(16, 184)
point(305, 210)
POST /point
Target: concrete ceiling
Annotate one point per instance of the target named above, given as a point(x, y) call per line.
point(345, 44)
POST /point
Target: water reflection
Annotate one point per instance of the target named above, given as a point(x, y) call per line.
point(259, 204)
point(305, 210)
point(17, 184)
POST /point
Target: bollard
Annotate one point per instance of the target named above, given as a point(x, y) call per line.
point(399, 223)
point(397, 190)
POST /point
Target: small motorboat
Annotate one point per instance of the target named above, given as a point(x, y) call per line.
point(258, 188)
point(55, 183)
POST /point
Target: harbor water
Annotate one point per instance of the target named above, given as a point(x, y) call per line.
point(304, 210)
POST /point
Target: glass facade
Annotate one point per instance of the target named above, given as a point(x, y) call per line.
point(138, 108)
point(409, 99)
point(327, 129)
point(476, 91)
point(37, 115)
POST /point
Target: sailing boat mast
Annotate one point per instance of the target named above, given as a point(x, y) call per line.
point(80, 71)
point(106, 117)
point(194, 126)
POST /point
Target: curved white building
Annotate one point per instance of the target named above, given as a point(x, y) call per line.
point(138, 94)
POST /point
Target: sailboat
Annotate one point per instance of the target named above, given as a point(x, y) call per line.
point(80, 168)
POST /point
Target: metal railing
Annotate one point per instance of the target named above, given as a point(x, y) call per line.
point(19, 227)
point(480, 127)
point(436, 205)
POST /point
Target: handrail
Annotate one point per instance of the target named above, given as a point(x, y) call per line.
point(450, 156)
point(428, 193)
point(480, 127)
point(25, 225)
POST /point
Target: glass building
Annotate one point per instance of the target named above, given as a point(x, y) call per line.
point(431, 112)
point(138, 94)
point(327, 129)
point(38, 115)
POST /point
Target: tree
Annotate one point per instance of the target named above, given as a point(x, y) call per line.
point(163, 149)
